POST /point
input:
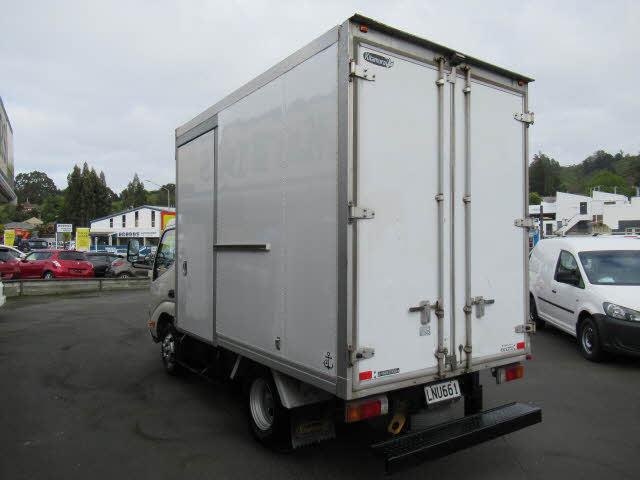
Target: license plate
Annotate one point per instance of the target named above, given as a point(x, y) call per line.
point(440, 392)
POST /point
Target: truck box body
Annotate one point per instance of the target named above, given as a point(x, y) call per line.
point(348, 218)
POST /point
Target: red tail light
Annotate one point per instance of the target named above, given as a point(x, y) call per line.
point(366, 408)
point(509, 372)
point(118, 263)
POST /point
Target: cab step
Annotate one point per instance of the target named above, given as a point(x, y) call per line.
point(449, 437)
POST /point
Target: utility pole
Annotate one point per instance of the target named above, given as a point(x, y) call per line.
point(164, 188)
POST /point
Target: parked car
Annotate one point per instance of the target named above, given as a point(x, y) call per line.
point(27, 245)
point(122, 268)
point(589, 287)
point(56, 264)
point(17, 254)
point(9, 265)
point(101, 262)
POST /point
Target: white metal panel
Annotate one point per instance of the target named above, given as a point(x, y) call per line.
point(397, 251)
point(498, 253)
point(195, 207)
point(277, 184)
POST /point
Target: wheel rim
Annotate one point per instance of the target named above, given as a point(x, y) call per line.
point(262, 404)
point(48, 276)
point(169, 350)
point(587, 338)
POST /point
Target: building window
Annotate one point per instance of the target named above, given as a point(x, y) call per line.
point(136, 219)
point(153, 218)
point(111, 223)
point(583, 208)
point(548, 229)
point(124, 221)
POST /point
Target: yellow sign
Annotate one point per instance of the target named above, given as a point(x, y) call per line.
point(83, 240)
point(167, 217)
point(9, 237)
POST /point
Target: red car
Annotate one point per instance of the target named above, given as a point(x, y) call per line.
point(9, 265)
point(56, 264)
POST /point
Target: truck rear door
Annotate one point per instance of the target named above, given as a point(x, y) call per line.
point(397, 249)
point(412, 262)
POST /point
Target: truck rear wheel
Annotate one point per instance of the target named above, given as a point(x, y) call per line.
point(269, 421)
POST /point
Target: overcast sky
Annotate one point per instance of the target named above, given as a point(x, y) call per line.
point(107, 82)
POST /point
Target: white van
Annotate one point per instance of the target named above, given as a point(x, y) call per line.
point(590, 288)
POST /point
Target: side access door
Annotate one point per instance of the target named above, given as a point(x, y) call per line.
point(195, 236)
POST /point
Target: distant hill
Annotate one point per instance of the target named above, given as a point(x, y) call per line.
point(609, 172)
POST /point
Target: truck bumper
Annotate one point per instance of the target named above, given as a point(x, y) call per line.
point(449, 437)
point(619, 336)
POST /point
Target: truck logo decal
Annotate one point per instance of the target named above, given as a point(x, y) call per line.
point(328, 361)
point(384, 373)
point(378, 59)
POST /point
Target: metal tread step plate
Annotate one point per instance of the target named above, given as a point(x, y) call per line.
point(449, 437)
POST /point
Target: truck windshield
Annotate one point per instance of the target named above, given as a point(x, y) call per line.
point(612, 267)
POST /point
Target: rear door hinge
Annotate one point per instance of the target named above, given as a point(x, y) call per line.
point(359, 71)
point(526, 328)
point(361, 353)
point(524, 222)
point(360, 213)
point(524, 117)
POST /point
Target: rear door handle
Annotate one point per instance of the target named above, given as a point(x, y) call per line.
point(171, 293)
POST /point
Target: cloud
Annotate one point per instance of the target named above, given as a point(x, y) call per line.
point(108, 82)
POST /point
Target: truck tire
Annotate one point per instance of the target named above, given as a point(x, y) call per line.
point(168, 352)
point(589, 341)
point(269, 421)
point(533, 314)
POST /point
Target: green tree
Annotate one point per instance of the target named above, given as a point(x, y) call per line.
point(53, 209)
point(544, 174)
point(135, 194)
point(534, 198)
point(600, 160)
point(73, 204)
point(7, 213)
point(607, 182)
point(34, 186)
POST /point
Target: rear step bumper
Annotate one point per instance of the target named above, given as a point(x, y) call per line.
point(449, 437)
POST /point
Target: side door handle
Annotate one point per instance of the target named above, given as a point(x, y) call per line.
point(171, 293)
point(184, 268)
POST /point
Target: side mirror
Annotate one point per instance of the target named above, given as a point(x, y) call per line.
point(24, 260)
point(133, 250)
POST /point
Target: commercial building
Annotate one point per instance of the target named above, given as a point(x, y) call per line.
point(144, 223)
point(602, 212)
point(7, 192)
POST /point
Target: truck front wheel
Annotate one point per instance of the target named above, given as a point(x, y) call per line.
point(269, 421)
point(168, 352)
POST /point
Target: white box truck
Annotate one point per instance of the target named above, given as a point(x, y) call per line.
point(351, 241)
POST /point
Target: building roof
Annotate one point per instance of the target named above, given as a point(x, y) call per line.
point(23, 225)
point(151, 207)
point(34, 221)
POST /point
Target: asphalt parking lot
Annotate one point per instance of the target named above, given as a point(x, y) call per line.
point(84, 395)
